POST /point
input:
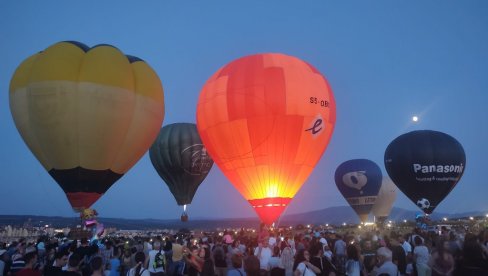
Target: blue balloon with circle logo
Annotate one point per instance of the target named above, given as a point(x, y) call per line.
point(359, 181)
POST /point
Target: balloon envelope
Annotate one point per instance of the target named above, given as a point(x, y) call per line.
point(181, 160)
point(87, 114)
point(425, 165)
point(266, 120)
point(359, 181)
point(386, 198)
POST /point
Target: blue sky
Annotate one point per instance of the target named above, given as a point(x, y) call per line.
point(385, 60)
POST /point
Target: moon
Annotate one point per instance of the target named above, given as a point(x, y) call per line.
point(415, 119)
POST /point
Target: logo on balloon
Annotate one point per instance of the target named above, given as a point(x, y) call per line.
point(356, 180)
point(201, 163)
point(316, 127)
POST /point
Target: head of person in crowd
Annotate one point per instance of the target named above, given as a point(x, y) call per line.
point(74, 262)
point(418, 241)
point(383, 254)
point(156, 245)
point(316, 250)
point(352, 252)
point(252, 266)
point(61, 258)
point(276, 251)
point(30, 257)
point(302, 255)
point(139, 258)
point(96, 265)
point(236, 260)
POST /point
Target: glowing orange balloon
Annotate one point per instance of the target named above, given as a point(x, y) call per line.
point(266, 120)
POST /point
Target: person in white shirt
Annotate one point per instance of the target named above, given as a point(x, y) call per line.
point(406, 245)
point(421, 256)
point(151, 267)
point(385, 265)
point(263, 253)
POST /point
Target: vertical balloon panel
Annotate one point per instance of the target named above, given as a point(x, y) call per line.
point(266, 120)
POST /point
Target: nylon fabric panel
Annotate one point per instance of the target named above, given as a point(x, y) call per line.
point(106, 65)
point(147, 117)
point(386, 198)
point(19, 102)
point(53, 122)
point(20, 79)
point(60, 62)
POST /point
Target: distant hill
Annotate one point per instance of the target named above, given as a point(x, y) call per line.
point(331, 215)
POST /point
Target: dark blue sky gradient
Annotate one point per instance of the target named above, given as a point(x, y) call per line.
point(385, 60)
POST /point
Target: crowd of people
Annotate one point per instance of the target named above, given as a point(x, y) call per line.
point(265, 253)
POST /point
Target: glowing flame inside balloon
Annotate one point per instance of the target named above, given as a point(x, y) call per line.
point(184, 208)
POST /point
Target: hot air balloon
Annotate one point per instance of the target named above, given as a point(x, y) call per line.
point(266, 120)
point(359, 181)
point(425, 165)
point(384, 202)
point(87, 114)
point(181, 160)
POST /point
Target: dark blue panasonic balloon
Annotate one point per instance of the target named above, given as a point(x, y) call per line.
point(359, 181)
point(425, 165)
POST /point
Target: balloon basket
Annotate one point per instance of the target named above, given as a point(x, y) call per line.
point(184, 217)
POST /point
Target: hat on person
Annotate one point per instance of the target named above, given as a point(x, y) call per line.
point(323, 241)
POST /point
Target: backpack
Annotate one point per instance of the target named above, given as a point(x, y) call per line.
point(159, 260)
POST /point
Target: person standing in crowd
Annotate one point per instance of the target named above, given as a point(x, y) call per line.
point(96, 266)
point(236, 269)
point(319, 260)
point(441, 261)
point(107, 252)
point(74, 263)
point(218, 254)
point(398, 253)
point(263, 253)
point(18, 262)
point(472, 261)
point(353, 264)
point(30, 259)
point(369, 255)
point(287, 257)
point(252, 266)
point(421, 257)
point(405, 245)
point(155, 263)
point(177, 261)
point(384, 265)
point(302, 265)
point(2, 260)
point(275, 260)
point(208, 264)
point(56, 268)
point(138, 269)
point(340, 253)
point(115, 262)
